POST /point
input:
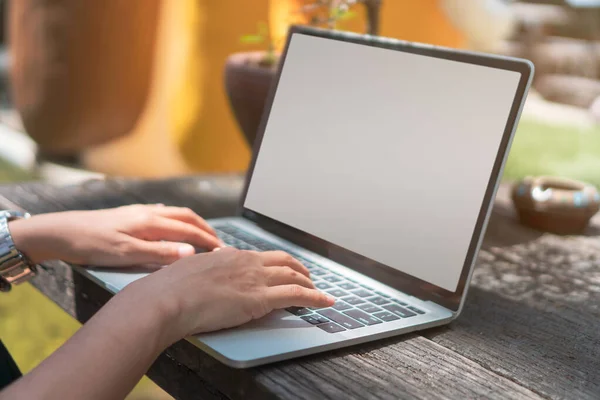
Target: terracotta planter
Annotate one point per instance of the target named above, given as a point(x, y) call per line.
point(247, 85)
point(81, 70)
point(556, 205)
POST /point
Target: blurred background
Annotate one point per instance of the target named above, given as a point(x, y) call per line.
point(157, 88)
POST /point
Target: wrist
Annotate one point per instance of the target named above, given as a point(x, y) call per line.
point(26, 240)
point(157, 312)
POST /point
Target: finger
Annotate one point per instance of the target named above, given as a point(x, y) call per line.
point(281, 258)
point(185, 215)
point(162, 253)
point(176, 231)
point(287, 276)
point(296, 295)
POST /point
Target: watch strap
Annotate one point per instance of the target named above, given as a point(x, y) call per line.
point(15, 267)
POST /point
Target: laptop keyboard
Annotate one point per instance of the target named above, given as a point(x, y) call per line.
point(356, 305)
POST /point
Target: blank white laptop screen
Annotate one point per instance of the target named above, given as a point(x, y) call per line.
point(382, 152)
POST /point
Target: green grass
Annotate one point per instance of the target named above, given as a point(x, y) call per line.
point(32, 326)
point(9, 173)
point(542, 149)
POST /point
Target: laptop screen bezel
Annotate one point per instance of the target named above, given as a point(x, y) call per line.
point(383, 273)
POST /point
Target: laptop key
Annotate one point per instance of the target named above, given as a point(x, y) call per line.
point(399, 302)
point(311, 319)
point(401, 311)
point(347, 286)
point(415, 309)
point(386, 316)
point(383, 294)
point(318, 272)
point(266, 247)
point(299, 310)
point(323, 285)
point(341, 306)
point(362, 317)
point(379, 300)
point(331, 327)
point(340, 318)
point(304, 261)
point(337, 293)
point(332, 279)
point(362, 293)
point(353, 300)
point(370, 308)
point(228, 229)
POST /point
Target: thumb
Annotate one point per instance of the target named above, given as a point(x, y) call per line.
point(161, 252)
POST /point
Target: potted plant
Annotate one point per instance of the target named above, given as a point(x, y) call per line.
point(248, 75)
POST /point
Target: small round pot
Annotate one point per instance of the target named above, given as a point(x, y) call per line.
point(247, 84)
point(557, 205)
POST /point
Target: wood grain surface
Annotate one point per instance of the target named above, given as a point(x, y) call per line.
point(530, 328)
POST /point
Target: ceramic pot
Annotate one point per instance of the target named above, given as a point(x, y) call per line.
point(80, 71)
point(557, 205)
point(247, 84)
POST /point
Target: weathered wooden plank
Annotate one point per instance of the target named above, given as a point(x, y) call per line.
point(495, 350)
point(533, 313)
point(555, 19)
point(214, 196)
point(405, 367)
point(555, 55)
point(552, 356)
point(568, 89)
point(409, 367)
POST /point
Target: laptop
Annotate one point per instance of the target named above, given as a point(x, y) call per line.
point(376, 166)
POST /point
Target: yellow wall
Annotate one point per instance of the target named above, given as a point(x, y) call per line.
point(187, 126)
point(419, 21)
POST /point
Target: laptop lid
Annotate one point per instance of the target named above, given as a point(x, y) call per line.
point(385, 155)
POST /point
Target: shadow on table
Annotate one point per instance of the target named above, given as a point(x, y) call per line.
point(504, 230)
point(530, 343)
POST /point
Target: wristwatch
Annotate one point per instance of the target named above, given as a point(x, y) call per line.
point(15, 267)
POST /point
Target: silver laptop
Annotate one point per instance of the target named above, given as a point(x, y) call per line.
point(376, 166)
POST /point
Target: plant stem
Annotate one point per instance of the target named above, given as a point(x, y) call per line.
point(373, 13)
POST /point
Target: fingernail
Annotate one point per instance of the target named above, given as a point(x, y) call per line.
point(160, 204)
point(330, 299)
point(186, 250)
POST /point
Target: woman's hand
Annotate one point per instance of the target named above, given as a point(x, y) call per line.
point(223, 289)
point(202, 293)
point(123, 236)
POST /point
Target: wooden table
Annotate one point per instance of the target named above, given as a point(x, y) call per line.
point(530, 329)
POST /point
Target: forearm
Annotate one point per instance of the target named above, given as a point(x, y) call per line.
point(105, 358)
point(35, 240)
